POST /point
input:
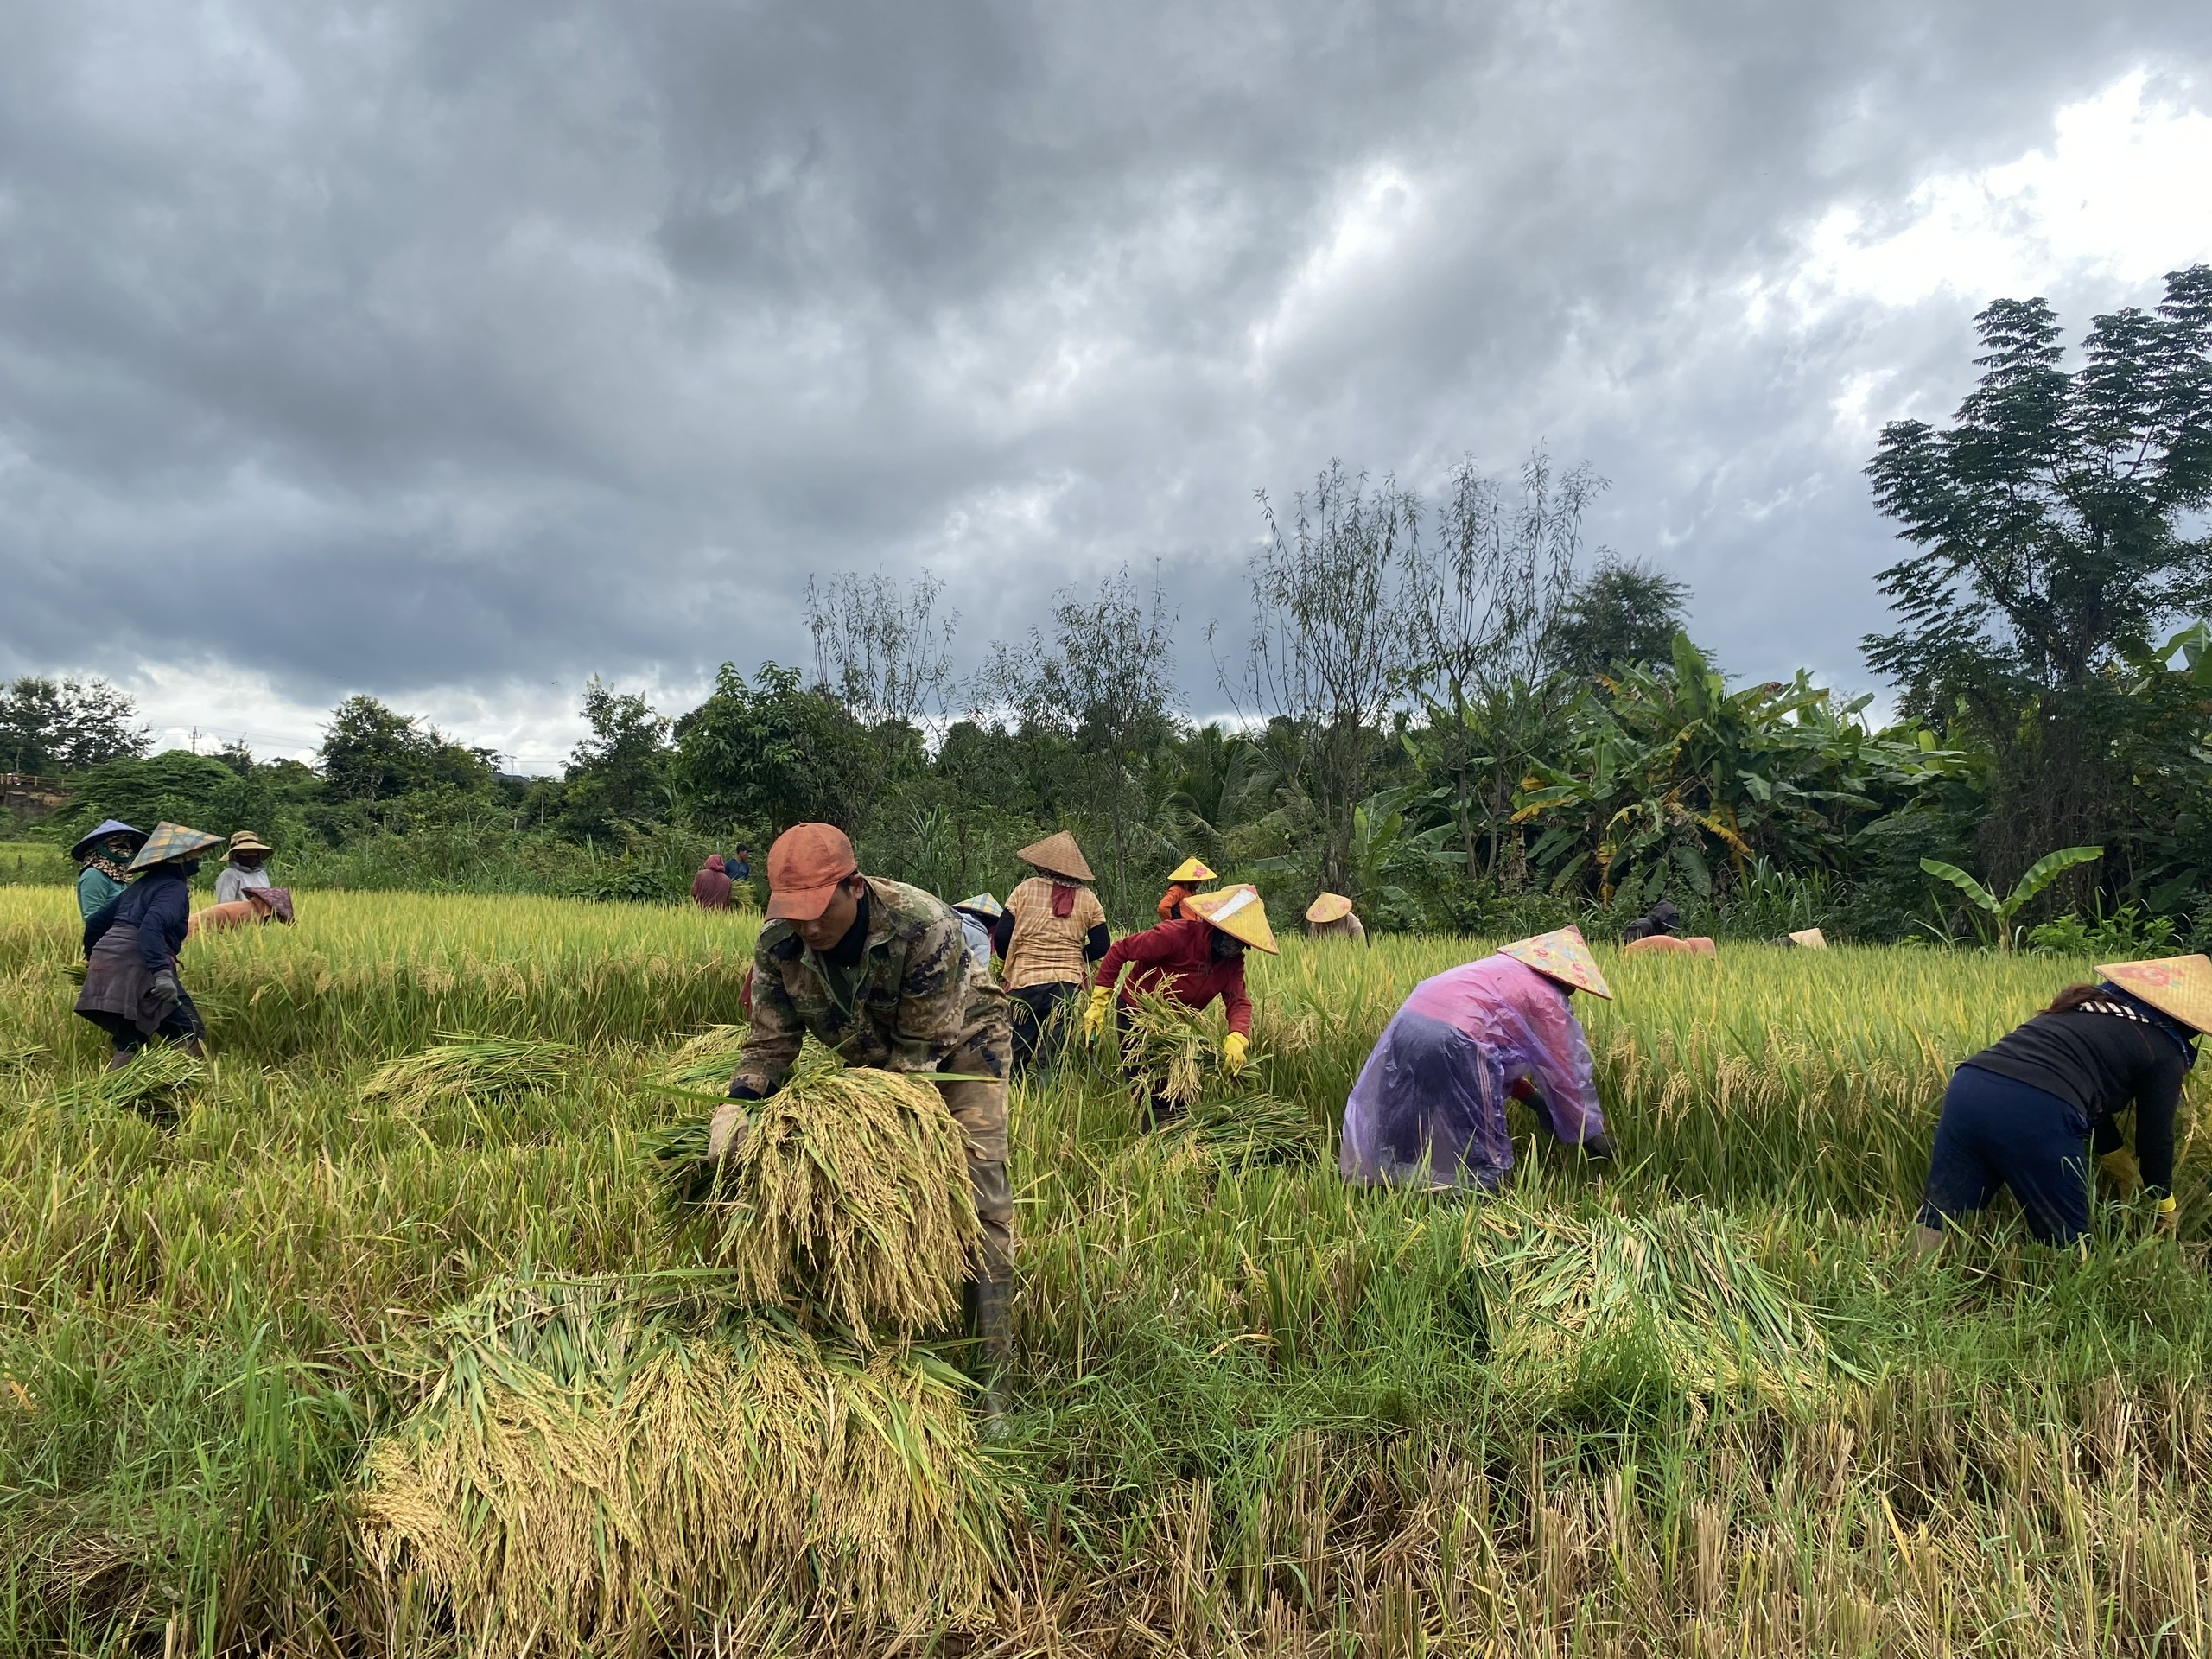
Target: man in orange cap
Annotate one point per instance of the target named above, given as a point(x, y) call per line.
point(879, 972)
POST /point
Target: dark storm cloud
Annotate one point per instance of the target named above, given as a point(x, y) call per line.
point(440, 346)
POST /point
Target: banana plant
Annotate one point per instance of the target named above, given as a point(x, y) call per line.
point(2044, 871)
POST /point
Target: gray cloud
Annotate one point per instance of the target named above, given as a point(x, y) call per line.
point(437, 349)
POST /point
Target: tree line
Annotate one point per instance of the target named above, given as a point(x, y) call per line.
point(1446, 706)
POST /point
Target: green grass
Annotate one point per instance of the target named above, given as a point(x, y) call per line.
point(1707, 1402)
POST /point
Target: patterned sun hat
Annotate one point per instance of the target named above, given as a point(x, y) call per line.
point(1057, 854)
point(2180, 986)
point(173, 841)
point(1563, 954)
point(1192, 869)
point(1238, 912)
point(983, 904)
point(1329, 907)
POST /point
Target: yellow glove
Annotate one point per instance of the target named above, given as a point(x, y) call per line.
point(1094, 1016)
point(1233, 1048)
point(2168, 1218)
point(2122, 1170)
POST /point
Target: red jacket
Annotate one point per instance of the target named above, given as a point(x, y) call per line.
point(711, 888)
point(1177, 958)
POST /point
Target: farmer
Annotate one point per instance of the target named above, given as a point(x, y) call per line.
point(1671, 945)
point(1182, 881)
point(1661, 921)
point(978, 916)
point(1429, 1107)
point(1190, 961)
point(246, 867)
point(105, 854)
point(879, 972)
point(130, 984)
point(1053, 929)
point(710, 887)
point(1331, 916)
point(2016, 1114)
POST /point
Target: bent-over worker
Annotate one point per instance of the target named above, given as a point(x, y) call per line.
point(131, 989)
point(1662, 920)
point(878, 971)
point(978, 916)
point(1191, 962)
point(1429, 1107)
point(105, 854)
point(247, 867)
point(1182, 883)
point(1331, 917)
point(2018, 1113)
point(1053, 929)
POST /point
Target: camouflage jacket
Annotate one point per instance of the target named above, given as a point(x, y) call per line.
point(915, 1001)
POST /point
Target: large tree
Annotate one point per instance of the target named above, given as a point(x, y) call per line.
point(620, 774)
point(772, 754)
point(373, 754)
point(2051, 523)
point(57, 726)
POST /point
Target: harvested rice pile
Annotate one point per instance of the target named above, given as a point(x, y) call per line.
point(600, 1463)
point(463, 1067)
point(706, 1061)
point(849, 1190)
point(1176, 1054)
point(1555, 1288)
point(156, 1083)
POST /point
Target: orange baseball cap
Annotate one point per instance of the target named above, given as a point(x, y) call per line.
point(804, 867)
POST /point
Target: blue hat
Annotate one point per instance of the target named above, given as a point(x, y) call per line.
point(112, 827)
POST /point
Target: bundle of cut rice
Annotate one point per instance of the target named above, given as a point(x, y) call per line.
point(463, 1066)
point(705, 1061)
point(848, 1188)
point(1250, 1126)
point(154, 1083)
point(597, 1466)
point(1175, 1054)
point(1555, 1287)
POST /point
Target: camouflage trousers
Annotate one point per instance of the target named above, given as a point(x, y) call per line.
point(980, 1110)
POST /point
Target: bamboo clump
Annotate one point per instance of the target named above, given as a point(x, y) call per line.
point(848, 1191)
point(594, 1463)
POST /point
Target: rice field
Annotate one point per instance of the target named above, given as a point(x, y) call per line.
point(1704, 1401)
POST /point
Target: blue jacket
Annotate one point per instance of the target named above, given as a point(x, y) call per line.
point(159, 904)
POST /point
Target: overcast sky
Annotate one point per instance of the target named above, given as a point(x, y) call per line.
point(453, 353)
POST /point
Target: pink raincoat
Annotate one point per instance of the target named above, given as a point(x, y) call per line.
point(1429, 1107)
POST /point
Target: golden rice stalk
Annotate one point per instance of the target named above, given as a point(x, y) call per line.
point(1172, 1052)
point(1175, 1052)
point(463, 1066)
point(1251, 1128)
point(596, 1465)
point(706, 1061)
point(153, 1083)
point(848, 1189)
point(1555, 1287)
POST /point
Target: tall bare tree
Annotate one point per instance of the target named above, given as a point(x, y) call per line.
point(1334, 596)
point(881, 648)
point(1487, 595)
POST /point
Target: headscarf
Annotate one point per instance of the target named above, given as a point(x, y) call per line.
point(114, 866)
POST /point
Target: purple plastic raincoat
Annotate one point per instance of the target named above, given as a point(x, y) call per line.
point(1429, 1107)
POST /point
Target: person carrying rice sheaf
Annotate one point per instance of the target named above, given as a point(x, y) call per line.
point(1190, 961)
point(878, 973)
point(2019, 1113)
point(1331, 917)
point(132, 990)
point(1429, 1107)
point(1053, 929)
point(1182, 883)
point(105, 854)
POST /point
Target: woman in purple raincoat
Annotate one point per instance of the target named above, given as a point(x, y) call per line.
point(1429, 1107)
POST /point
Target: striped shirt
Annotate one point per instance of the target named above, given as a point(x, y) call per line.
point(1045, 948)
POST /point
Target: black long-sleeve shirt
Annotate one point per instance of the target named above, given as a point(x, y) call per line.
point(159, 904)
point(2098, 1062)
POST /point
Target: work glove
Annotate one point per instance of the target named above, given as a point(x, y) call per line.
point(2169, 1217)
point(166, 988)
point(1233, 1050)
point(2122, 1171)
point(726, 1130)
point(1094, 1014)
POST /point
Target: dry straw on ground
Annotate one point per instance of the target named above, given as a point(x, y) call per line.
point(849, 1190)
point(600, 1463)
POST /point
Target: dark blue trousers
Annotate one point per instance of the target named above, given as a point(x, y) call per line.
point(1996, 1131)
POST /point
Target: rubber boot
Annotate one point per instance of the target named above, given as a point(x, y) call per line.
point(992, 1300)
point(120, 1058)
point(194, 1047)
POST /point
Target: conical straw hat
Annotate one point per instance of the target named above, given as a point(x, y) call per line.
point(2181, 986)
point(1329, 907)
point(1057, 854)
point(983, 904)
point(1811, 937)
point(1238, 912)
point(1189, 870)
point(171, 841)
point(1564, 955)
